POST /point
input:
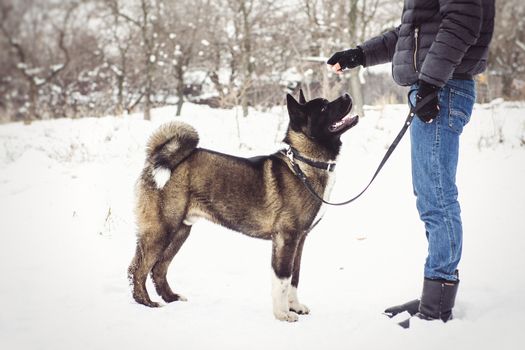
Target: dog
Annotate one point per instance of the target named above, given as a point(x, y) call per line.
point(261, 197)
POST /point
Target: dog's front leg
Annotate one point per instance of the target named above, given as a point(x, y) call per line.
point(284, 247)
point(293, 300)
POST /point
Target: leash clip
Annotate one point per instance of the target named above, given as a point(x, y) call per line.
point(290, 155)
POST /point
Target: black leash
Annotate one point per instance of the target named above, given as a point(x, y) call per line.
point(292, 155)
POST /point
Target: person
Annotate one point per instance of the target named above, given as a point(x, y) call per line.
point(437, 49)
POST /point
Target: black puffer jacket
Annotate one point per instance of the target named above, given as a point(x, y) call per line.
point(436, 41)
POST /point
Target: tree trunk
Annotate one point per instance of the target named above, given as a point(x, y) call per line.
point(355, 83)
point(180, 102)
point(119, 109)
point(147, 94)
point(356, 92)
point(147, 106)
point(147, 39)
point(32, 113)
point(180, 89)
point(506, 88)
point(247, 65)
point(244, 102)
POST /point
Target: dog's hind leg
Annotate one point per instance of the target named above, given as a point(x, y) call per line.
point(293, 301)
point(149, 246)
point(284, 247)
point(158, 274)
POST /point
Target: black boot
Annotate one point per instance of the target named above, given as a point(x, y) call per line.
point(412, 307)
point(437, 299)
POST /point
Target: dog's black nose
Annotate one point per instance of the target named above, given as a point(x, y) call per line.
point(346, 96)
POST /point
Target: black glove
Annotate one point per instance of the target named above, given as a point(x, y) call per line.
point(348, 59)
point(427, 102)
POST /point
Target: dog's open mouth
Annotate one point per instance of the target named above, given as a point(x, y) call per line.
point(345, 123)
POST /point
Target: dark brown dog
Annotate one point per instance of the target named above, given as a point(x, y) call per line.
point(260, 197)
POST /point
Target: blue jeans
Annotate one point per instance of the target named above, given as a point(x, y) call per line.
point(435, 148)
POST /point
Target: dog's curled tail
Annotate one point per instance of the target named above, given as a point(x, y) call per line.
point(167, 147)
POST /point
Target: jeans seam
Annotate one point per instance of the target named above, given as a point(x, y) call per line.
point(441, 123)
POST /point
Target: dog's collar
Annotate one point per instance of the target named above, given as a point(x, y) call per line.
point(292, 154)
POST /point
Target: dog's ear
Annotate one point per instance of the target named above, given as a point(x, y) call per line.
point(295, 111)
point(302, 100)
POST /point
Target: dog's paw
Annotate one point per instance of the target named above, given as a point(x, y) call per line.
point(299, 308)
point(288, 316)
point(146, 301)
point(174, 297)
point(151, 304)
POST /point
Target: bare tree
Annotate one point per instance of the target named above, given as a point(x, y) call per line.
point(28, 61)
point(68, 58)
point(359, 16)
point(118, 39)
point(244, 45)
point(334, 25)
point(507, 56)
point(142, 16)
point(222, 54)
point(183, 25)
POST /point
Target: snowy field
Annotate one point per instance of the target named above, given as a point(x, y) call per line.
point(68, 235)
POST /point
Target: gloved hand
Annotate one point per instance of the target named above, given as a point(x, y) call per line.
point(427, 108)
point(347, 59)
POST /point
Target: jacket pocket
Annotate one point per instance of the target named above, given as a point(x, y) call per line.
point(460, 110)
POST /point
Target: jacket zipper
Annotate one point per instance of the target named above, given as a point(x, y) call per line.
point(416, 47)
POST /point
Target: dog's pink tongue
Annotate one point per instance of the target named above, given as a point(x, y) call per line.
point(347, 118)
point(341, 122)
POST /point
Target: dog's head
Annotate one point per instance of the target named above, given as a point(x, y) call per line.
point(321, 121)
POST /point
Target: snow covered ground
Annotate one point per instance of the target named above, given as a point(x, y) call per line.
point(67, 236)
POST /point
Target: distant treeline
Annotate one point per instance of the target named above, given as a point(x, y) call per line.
point(96, 57)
